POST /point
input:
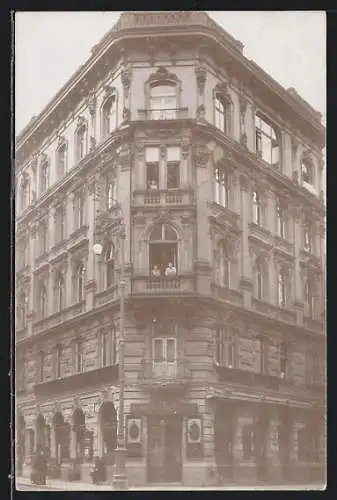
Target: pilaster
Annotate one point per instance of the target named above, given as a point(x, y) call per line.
point(246, 267)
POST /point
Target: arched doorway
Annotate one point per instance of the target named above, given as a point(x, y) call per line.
point(21, 445)
point(108, 426)
point(79, 432)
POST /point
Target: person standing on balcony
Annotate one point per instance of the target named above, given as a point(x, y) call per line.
point(153, 185)
point(155, 271)
point(170, 270)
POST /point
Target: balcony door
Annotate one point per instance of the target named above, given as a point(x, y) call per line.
point(164, 357)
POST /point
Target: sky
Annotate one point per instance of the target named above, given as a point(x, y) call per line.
point(50, 47)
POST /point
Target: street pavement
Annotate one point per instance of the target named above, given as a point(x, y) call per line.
point(24, 484)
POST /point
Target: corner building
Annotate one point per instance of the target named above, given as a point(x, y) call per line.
point(214, 168)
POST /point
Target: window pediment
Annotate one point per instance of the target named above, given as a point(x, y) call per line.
point(162, 77)
point(81, 121)
point(222, 90)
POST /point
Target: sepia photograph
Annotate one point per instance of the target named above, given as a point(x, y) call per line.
point(170, 250)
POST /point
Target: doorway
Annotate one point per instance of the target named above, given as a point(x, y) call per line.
point(164, 448)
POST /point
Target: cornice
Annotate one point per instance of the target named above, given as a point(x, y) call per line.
point(184, 23)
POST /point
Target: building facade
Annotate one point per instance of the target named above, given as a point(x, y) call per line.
point(215, 171)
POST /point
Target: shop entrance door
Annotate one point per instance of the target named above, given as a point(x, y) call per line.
point(164, 462)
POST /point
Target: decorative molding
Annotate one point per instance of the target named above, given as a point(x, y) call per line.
point(201, 155)
point(201, 74)
point(201, 113)
point(162, 75)
point(294, 146)
point(244, 182)
point(126, 77)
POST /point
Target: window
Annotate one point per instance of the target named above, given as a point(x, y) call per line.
point(109, 116)
point(163, 102)
point(44, 177)
point(58, 361)
point(79, 285)
point(302, 439)
point(307, 237)
point(309, 299)
point(78, 357)
point(173, 170)
point(260, 278)
point(111, 194)
point(248, 442)
point(267, 141)
point(283, 360)
point(43, 237)
point(41, 366)
point(307, 171)
point(61, 159)
point(221, 187)
point(164, 350)
point(152, 168)
point(60, 292)
point(79, 203)
point(59, 224)
point(281, 288)
point(42, 300)
point(262, 349)
point(24, 201)
point(257, 208)
point(110, 266)
point(163, 249)
point(80, 142)
point(225, 347)
point(105, 348)
point(222, 113)
point(223, 265)
point(281, 221)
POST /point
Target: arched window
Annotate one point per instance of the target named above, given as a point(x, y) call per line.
point(309, 299)
point(267, 141)
point(43, 304)
point(163, 251)
point(79, 282)
point(260, 279)
point(110, 266)
point(281, 288)
point(109, 116)
point(223, 265)
point(60, 292)
point(80, 142)
point(163, 102)
point(44, 176)
point(61, 159)
point(221, 187)
point(257, 208)
point(222, 113)
point(307, 171)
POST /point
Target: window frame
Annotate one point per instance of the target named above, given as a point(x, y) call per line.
point(108, 125)
point(260, 134)
point(44, 176)
point(163, 111)
point(164, 350)
point(223, 265)
point(61, 159)
point(221, 187)
point(282, 298)
point(222, 112)
point(80, 141)
point(60, 298)
point(173, 244)
point(257, 208)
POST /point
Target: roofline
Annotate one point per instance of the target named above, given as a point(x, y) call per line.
point(235, 48)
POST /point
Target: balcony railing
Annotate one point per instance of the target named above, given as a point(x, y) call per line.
point(59, 317)
point(164, 284)
point(165, 374)
point(164, 197)
point(107, 295)
point(163, 114)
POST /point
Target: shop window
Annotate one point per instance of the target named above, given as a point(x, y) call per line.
point(221, 187)
point(248, 442)
point(267, 141)
point(163, 251)
point(163, 102)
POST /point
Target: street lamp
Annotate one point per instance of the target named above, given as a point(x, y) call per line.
point(119, 479)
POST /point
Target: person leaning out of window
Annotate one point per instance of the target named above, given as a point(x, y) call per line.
point(170, 270)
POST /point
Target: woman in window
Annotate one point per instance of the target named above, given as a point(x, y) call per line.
point(170, 270)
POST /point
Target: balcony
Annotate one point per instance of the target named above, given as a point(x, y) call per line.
point(165, 375)
point(74, 382)
point(245, 377)
point(166, 285)
point(163, 197)
point(227, 294)
point(279, 313)
point(105, 296)
point(313, 324)
point(77, 237)
point(163, 114)
point(59, 317)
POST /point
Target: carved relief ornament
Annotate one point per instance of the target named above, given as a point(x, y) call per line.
point(201, 73)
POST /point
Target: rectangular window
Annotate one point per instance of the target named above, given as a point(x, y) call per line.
point(164, 350)
point(248, 442)
point(152, 155)
point(173, 176)
point(263, 353)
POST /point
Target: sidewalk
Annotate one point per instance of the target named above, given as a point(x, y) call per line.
point(57, 484)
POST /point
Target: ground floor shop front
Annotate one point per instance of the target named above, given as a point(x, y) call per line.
point(190, 440)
